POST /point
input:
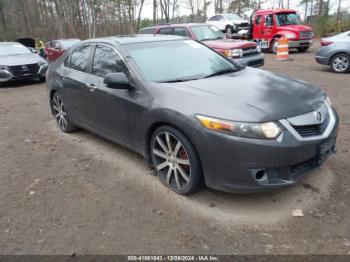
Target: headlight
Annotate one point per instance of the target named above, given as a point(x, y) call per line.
point(40, 63)
point(328, 100)
point(4, 68)
point(290, 35)
point(258, 48)
point(268, 130)
point(235, 53)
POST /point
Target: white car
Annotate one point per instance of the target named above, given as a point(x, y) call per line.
point(229, 23)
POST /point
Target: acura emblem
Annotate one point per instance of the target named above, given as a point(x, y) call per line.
point(24, 67)
point(319, 116)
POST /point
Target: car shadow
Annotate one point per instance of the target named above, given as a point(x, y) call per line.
point(228, 208)
point(20, 83)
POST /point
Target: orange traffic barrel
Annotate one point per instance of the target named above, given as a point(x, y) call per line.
point(283, 49)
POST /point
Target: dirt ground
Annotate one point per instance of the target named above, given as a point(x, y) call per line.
point(78, 193)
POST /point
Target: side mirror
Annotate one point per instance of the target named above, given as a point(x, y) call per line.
point(117, 81)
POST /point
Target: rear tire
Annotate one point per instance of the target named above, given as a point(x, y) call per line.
point(303, 49)
point(59, 112)
point(340, 63)
point(176, 161)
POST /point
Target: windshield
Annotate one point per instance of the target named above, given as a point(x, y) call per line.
point(69, 43)
point(288, 19)
point(15, 49)
point(204, 32)
point(182, 60)
point(232, 17)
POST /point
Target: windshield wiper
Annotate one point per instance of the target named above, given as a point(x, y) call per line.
point(177, 80)
point(221, 72)
point(208, 39)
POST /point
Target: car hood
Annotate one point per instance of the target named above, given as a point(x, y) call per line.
point(13, 60)
point(251, 95)
point(295, 28)
point(228, 44)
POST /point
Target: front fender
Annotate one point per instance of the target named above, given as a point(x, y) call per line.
point(158, 117)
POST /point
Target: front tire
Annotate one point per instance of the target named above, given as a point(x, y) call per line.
point(176, 161)
point(59, 112)
point(340, 63)
point(274, 46)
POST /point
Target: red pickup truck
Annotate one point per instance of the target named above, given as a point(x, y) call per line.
point(267, 26)
point(242, 51)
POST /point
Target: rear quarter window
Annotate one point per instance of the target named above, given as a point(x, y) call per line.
point(146, 31)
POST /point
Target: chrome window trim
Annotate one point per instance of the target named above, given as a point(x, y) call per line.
point(326, 133)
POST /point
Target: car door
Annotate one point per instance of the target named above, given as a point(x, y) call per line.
point(257, 28)
point(76, 92)
point(267, 29)
point(109, 106)
point(213, 20)
point(221, 22)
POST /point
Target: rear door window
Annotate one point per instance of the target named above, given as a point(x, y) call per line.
point(79, 59)
point(146, 31)
point(181, 31)
point(166, 31)
point(107, 60)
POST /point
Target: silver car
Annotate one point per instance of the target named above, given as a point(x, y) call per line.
point(335, 52)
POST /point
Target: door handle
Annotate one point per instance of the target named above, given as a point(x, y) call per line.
point(91, 86)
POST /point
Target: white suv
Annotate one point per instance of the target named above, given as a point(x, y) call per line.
point(229, 23)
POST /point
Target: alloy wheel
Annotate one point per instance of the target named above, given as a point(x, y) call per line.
point(171, 161)
point(341, 64)
point(59, 112)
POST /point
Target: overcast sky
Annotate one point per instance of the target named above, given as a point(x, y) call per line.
point(147, 11)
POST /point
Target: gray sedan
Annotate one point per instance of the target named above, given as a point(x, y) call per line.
point(335, 52)
point(195, 116)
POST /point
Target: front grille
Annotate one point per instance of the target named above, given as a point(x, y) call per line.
point(21, 70)
point(306, 34)
point(313, 130)
point(299, 169)
point(249, 51)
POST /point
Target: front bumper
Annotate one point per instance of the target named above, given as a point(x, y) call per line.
point(300, 43)
point(7, 75)
point(231, 163)
point(254, 60)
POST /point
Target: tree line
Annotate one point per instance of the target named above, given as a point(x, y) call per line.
point(53, 19)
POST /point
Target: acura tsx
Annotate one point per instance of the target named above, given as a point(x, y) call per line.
point(196, 116)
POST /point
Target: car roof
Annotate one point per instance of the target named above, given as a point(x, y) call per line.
point(263, 11)
point(10, 43)
point(175, 25)
point(132, 39)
